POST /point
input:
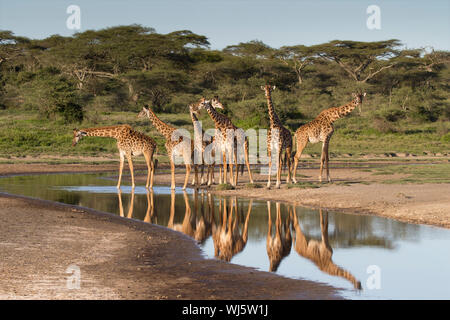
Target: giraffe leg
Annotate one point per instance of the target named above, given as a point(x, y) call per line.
point(172, 171)
point(327, 158)
point(201, 174)
point(300, 146)
point(224, 168)
point(278, 170)
point(130, 164)
point(232, 180)
point(149, 168)
point(196, 175)
point(288, 159)
point(322, 160)
point(236, 168)
point(210, 174)
point(152, 164)
point(247, 162)
point(188, 171)
point(270, 167)
point(122, 159)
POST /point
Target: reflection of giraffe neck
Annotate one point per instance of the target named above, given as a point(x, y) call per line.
point(111, 131)
point(274, 120)
point(320, 253)
point(161, 126)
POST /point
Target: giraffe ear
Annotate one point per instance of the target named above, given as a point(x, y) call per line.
point(274, 87)
point(263, 88)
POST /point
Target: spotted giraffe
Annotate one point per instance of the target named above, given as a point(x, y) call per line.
point(228, 137)
point(207, 144)
point(321, 129)
point(278, 139)
point(129, 142)
point(176, 145)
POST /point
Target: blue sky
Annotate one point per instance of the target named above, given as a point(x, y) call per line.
point(226, 22)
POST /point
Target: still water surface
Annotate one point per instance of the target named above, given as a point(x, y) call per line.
point(386, 258)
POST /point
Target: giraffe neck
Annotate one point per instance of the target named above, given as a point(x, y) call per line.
point(198, 129)
point(218, 118)
point(112, 131)
point(162, 127)
point(346, 109)
point(274, 120)
point(336, 113)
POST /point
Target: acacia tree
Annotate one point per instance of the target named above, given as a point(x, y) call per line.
point(297, 58)
point(360, 60)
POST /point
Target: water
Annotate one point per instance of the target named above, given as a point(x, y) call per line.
point(390, 259)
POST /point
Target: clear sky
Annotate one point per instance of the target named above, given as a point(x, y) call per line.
point(276, 22)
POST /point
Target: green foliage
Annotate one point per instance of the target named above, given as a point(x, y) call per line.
point(118, 69)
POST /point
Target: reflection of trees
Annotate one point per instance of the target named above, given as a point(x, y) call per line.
point(279, 245)
point(228, 238)
point(320, 252)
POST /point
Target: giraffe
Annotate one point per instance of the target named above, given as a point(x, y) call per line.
point(227, 139)
point(129, 142)
point(279, 246)
point(282, 139)
point(228, 241)
point(207, 142)
point(320, 253)
point(321, 129)
point(175, 146)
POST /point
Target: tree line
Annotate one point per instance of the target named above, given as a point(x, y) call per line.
point(120, 68)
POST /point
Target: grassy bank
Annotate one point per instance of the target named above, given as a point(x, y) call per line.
point(29, 134)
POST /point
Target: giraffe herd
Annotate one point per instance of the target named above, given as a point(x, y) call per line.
point(229, 144)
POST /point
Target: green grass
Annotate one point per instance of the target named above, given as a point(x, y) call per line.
point(421, 173)
point(253, 186)
point(225, 186)
point(305, 185)
point(28, 134)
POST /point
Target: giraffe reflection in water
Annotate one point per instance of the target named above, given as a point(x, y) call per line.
point(198, 223)
point(228, 239)
point(278, 246)
point(320, 253)
point(230, 232)
point(150, 216)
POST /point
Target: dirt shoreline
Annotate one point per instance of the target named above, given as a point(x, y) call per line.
point(119, 258)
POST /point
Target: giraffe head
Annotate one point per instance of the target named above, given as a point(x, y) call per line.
point(358, 99)
point(216, 103)
point(268, 89)
point(77, 135)
point(144, 112)
point(195, 107)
